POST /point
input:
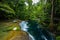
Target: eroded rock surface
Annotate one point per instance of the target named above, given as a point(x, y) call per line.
point(17, 35)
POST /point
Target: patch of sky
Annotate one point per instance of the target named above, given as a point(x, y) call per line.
point(33, 2)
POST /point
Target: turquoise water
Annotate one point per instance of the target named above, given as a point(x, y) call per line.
point(35, 32)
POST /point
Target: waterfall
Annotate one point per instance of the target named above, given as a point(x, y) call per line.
point(24, 27)
point(39, 33)
point(44, 37)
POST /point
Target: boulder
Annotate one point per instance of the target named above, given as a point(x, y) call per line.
point(17, 35)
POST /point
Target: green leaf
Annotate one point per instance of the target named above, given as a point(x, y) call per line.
point(6, 8)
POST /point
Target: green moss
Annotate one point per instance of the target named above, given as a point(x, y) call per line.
point(6, 26)
point(58, 38)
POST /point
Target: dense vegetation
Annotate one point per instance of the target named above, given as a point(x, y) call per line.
point(45, 12)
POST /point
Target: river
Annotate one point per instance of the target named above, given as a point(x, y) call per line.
point(36, 33)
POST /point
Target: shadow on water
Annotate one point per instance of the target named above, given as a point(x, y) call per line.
point(35, 32)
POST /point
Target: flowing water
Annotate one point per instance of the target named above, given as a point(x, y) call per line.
point(25, 27)
point(35, 33)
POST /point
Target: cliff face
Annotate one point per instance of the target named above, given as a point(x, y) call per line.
point(17, 35)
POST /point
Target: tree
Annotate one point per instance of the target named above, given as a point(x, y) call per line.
point(51, 21)
point(17, 6)
point(5, 11)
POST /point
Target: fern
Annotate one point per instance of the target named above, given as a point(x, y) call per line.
point(6, 8)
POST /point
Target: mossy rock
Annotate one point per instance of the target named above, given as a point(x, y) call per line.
point(17, 35)
point(58, 38)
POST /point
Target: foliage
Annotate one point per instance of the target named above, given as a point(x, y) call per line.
point(57, 14)
point(14, 7)
point(36, 11)
point(58, 38)
point(41, 11)
point(33, 12)
point(6, 10)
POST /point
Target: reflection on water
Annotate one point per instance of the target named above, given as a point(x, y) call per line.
point(35, 33)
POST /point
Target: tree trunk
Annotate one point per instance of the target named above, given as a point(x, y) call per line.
point(51, 25)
